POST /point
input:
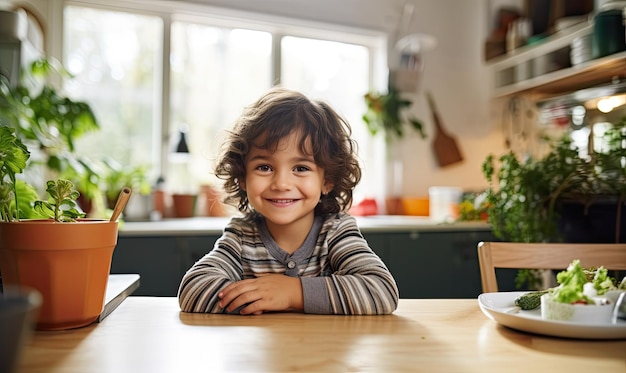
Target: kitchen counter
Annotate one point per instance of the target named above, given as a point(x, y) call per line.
point(215, 225)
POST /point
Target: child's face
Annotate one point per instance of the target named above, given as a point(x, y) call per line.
point(284, 186)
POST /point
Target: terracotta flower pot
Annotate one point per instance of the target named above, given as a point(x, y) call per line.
point(394, 206)
point(184, 205)
point(68, 263)
point(212, 201)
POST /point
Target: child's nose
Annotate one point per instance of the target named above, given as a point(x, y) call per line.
point(281, 180)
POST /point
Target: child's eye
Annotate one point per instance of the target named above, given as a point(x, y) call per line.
point(264, 168)
point(301, 168)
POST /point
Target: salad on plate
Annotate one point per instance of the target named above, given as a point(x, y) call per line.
point(583, 295)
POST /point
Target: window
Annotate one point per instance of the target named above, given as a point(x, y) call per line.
point(115, 59)
point(151, 74)
point(214, 73)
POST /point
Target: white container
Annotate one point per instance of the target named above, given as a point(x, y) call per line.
point(580, 313)
point(443, 203)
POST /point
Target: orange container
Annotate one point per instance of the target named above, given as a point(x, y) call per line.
point(68, 263)
point(416, 206)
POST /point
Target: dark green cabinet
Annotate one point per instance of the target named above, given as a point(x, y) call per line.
point(160, 261)
point(192, 248)
point(155, 259)
point(425, 264)
point(437, 264)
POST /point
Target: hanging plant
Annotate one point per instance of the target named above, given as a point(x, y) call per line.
point(385, 114)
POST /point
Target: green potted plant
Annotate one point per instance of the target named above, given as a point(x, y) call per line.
point(68, 263)
point(552, 198)
point(116, 176)
point(65, 258)
point(47, 245)
point(385, 114)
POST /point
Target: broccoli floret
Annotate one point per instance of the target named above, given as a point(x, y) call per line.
point(530, 300)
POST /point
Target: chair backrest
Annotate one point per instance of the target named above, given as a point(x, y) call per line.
point(517, 255)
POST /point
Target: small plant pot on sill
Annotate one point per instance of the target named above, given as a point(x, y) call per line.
point(210, 200)
point(68, 263)
point(184, 205)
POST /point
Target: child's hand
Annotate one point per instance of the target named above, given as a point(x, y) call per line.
point(266, 293)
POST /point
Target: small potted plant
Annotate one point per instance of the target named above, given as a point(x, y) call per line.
point(64, 257)
point(47, 244)
point(114, 177)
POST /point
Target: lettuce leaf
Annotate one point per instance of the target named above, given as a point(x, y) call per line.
point(572, 282)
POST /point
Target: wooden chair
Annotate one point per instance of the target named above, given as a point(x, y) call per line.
point(558, 256)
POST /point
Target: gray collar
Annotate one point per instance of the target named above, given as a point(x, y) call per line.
point(300, 256)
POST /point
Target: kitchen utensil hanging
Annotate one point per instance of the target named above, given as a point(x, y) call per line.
point(444, 145)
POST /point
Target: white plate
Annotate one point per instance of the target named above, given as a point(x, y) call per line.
point(501, 308)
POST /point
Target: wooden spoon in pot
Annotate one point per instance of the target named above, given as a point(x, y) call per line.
point(121, 202)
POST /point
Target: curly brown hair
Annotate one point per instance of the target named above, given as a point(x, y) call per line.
point(277, 114)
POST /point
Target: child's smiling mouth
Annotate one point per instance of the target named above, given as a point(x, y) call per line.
point(282, 201)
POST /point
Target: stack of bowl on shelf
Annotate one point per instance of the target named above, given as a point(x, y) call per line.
point(580, 50)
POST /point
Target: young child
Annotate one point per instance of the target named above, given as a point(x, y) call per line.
point(289, 165)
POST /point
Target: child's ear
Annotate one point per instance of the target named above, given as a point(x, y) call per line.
point(242, 185)
point(327, 187)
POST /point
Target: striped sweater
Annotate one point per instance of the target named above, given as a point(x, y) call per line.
point(340, 273)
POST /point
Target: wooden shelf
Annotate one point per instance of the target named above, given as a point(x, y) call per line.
point(601, 71)
point(589, 74)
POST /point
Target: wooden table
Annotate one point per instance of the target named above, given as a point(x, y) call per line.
point(146, 334)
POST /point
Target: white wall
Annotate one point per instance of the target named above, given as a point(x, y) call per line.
point(454, 73)
point(460, 83)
